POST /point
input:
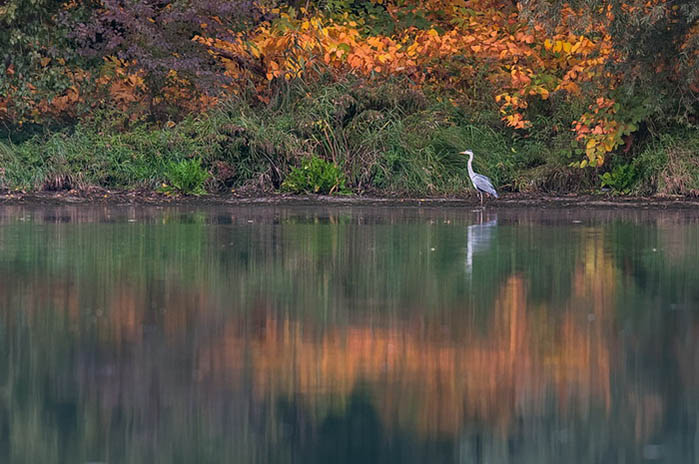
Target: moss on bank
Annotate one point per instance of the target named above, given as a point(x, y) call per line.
point(387, 140)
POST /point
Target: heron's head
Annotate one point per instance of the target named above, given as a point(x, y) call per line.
point(467, 152)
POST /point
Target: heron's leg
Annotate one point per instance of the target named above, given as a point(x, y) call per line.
point(481, 195)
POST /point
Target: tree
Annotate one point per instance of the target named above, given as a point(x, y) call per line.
point(656, 44)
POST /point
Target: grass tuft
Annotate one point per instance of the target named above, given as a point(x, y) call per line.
point(186, 177)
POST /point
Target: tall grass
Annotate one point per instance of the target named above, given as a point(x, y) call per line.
point(386, 139)
point(669, 164)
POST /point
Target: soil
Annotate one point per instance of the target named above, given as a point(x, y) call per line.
point(512, 200)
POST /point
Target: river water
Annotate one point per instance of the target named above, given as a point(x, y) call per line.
point(348, 335)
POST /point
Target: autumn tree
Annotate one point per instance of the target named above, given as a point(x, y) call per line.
point(656, 45)
point(33, 57)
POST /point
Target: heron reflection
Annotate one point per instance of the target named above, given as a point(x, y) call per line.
point(478, 238)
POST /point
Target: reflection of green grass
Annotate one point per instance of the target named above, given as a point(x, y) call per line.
point(57, 369)
point(662, 262)
point(319, 267)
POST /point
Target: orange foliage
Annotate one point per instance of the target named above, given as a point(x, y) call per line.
point(523, 61)
point(124, 86)
point(26, 95)
point(600, 131)
point(120, 85)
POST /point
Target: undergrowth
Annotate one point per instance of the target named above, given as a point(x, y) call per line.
point(338, 137)
point(669, 165)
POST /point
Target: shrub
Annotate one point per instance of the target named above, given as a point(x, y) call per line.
point(187, 177)
point(315, 176)
point(620, 179)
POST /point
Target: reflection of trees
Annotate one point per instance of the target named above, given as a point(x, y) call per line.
point(509, 371)
point(133, 337)
point(661, 259)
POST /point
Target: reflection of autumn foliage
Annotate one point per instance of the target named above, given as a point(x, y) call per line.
point(522, 359)
point(124, 317)
point(435, 383)
point(584, 359)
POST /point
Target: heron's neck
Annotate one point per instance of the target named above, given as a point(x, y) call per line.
point(470, 165)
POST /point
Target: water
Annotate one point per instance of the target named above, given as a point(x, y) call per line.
point(312, 335)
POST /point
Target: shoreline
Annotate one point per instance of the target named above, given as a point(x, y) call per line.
point(512, 200)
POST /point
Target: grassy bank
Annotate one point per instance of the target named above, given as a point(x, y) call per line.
point(339, 137)
point(369, 97)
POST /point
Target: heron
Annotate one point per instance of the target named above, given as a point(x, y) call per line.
point(479, 181)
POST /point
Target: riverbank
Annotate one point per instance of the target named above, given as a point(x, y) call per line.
point(512, 200)
point(377, 102)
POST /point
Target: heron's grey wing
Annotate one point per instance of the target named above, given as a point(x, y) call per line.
point(483, 184)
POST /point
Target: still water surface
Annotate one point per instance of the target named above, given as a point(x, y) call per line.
point(348, 335)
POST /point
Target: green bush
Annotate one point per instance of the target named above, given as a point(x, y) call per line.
point(187, 177)
point(315, 176)
point(620, 179)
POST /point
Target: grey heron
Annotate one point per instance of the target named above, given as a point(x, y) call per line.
point(479, 181)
